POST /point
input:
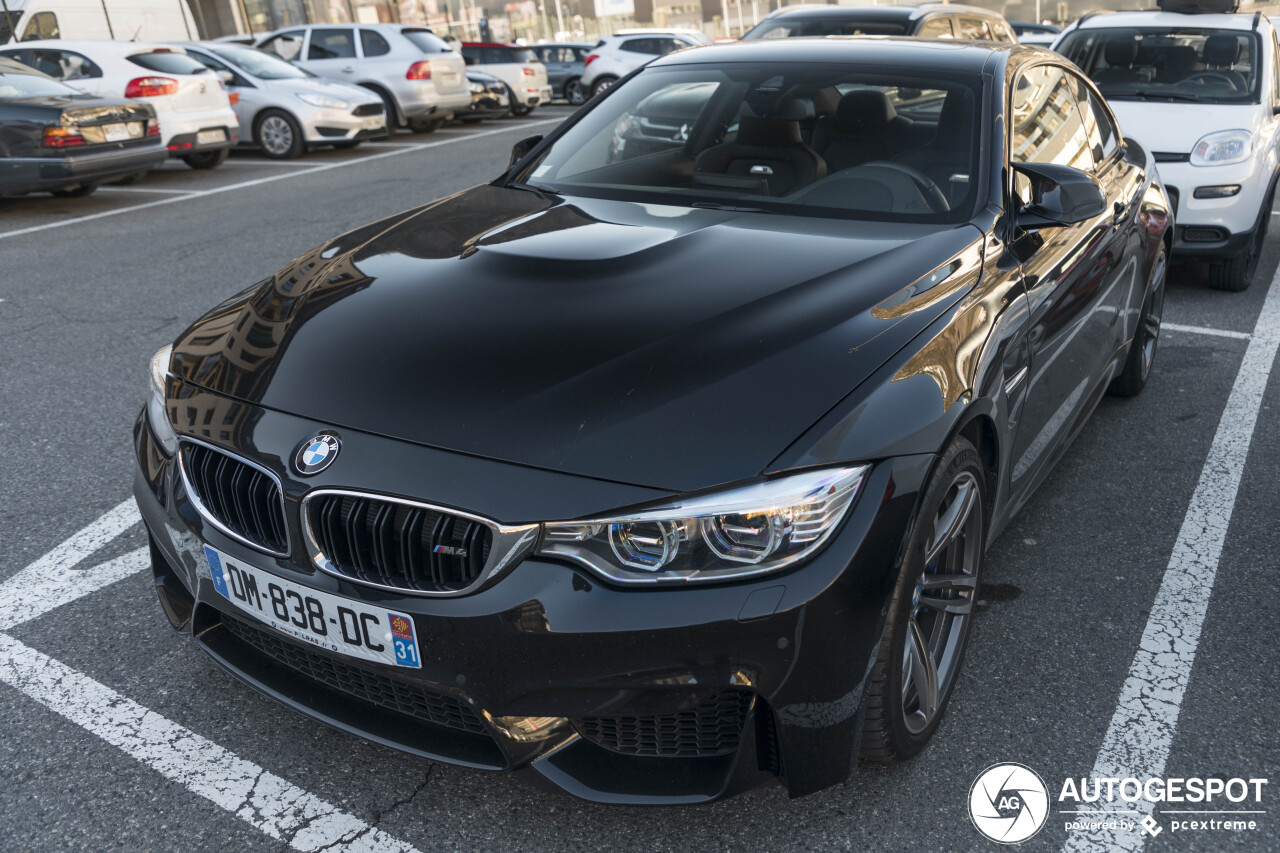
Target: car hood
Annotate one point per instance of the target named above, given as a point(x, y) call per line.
point(662, 346)
point(1177, 127)
point(334, 89)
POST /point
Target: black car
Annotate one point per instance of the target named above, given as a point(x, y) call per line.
point(928, 20)
point(564, 69)
point(656, 477)
point(56, 139)
point(490, 98)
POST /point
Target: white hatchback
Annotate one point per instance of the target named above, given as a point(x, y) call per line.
point(1201, 92)
point(518, 67)
point(618, 55)
point(197, 122)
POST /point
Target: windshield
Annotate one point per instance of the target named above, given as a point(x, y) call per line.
point(779, 28)
point(1170, 63)
point(258, 64)
point(798, 139)
point(20, 85)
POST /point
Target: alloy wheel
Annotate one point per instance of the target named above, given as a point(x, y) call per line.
point(1152, 311)
point(276, 135)
point(942, 603)
point(573, 92)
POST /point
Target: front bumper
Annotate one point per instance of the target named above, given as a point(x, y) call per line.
point(41, 174)
point(552, 640)
point(321, 126)
point(1216, 227)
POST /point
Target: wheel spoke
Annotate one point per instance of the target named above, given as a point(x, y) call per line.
point(924, 672)
point(951, 522)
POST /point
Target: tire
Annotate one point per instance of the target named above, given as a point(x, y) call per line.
point(75, 192)
point(207, 159)
point(1142, 349)
point(517, 108)
point(1236, 274)
point(426, 125)
point(601, 84)
point(278, 135)
point(388, 107)
point(897, 726)
point(573, 92)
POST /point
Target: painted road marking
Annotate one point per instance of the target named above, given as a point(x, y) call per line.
point(341, 164)
point(1141, 733)
point(1205, 330)
point(261, 799)
point(145, 190)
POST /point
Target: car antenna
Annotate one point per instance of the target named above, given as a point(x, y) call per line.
point(1257, 16)
point(136, 32)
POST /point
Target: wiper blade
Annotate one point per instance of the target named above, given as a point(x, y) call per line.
point(735, 208)
point(1158, 96)
point(540, 189)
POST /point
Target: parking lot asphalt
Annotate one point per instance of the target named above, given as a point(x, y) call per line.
point(113, 726)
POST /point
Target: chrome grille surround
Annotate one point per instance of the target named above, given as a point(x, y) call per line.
point(202, 501)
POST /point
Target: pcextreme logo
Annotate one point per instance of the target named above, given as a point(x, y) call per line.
point(1008, 803)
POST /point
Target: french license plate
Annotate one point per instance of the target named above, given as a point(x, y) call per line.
point(314, 617)
point(115, 132)
point(372, 123)
point(205, 137)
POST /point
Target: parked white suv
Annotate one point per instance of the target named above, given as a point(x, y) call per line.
point(518, 67)
point(197, 122)
point(618, 55)
point(1201, 92)
point(420, 79)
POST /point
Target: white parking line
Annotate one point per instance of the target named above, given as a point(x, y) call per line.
point(24, 598)
point(355, 161)
point(145, 190)
point(261, 799)
point(1138, 740)
point(1205, 330)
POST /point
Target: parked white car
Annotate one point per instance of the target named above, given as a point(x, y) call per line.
point(284, 109)
point(518, 67)
point(126, 20)
point(420, 79)
point(618, 55)
point(1201, 93)
point(191, 102)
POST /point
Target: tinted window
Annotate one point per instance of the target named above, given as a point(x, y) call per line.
point(790, 28)
point(42, 25)
point(937, 27)
point(331, 44)
point(645, 45)
point(1169, 63)
point(1046, 125)
point(19, 85)
point(471, 55)
point(974, 29)
point(1103, 136)
point(426, 41)
point(287, 46)
point(372, 44)
point(63, 64)
point(168, 63)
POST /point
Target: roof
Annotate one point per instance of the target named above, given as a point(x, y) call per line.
point(1219, 21)
point(488, 44)
point(933, 54)
point(120, 48)
point(877, 13)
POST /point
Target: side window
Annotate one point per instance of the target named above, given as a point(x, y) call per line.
point(1046, 126)
point(1103, 136)
point(937, 27)
point(496, 56)
point(373, 44)
point(73, 66)
point(974, 29)
point(332, 44)
point(287, 46)
point(1002, 32)
point(470, 55)
point(647, 46)
point(1275, 69)
point(43, 25)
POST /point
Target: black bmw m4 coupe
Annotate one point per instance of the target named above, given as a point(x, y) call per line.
point(665, 464)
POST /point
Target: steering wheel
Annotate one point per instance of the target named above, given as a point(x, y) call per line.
point(934, 197)
point(1206, 75)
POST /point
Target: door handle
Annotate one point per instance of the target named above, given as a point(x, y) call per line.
point(348, 70)
point(1120, 212)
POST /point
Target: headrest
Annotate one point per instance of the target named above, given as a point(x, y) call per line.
point(768, 132)
point(791, 109)
point(1121, 51)
point(1222, 50)
point(956, 119)
point(865, 111)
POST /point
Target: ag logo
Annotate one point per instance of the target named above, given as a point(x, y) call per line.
point(1008, 803)
point(316, 453)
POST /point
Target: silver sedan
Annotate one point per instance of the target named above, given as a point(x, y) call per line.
point(283, 109)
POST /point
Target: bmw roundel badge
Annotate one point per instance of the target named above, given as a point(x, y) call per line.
point(317, 453)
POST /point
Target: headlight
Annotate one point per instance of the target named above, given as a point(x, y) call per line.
point(156, 414)
point(732, 534)
point(322, 101)
point(1222, 148)
point(477, 89)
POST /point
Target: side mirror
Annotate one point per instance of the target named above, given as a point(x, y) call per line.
point(227, 77)
point(522, 148)
point(1057, 195)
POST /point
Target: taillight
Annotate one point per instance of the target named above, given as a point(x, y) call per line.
point(149, 87)
point(591, 58)
point(418, 71)
point(153, 127)
point(527, 71)
point(62, 137)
